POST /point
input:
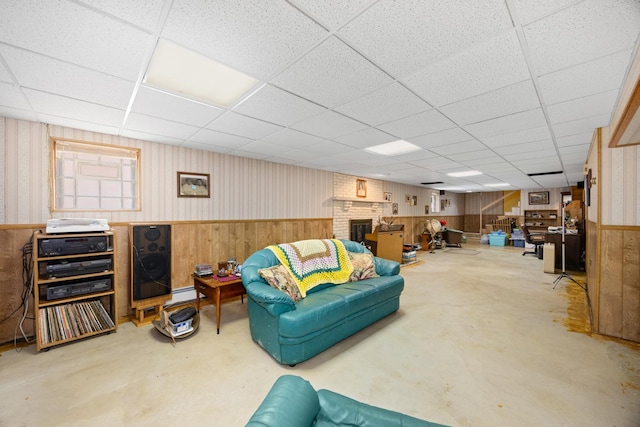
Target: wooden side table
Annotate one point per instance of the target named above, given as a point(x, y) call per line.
point(217, 290)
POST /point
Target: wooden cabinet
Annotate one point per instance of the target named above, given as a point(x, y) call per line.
point(387, 244)
point(74, 286)
point(541, 219)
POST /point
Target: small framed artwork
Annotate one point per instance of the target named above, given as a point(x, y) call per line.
point(394, 209)
point(193, 184)
point(387, 197)
point(539, 198)
point(414, 200)
point(361, 187)
point(407, 198)
point(426, 209)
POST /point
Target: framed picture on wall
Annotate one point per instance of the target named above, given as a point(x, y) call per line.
point(361, 187)
point(539, 198)
point(394, 209)
point(193, 184)
point(387, 197)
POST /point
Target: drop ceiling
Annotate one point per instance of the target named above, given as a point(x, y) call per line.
point(505, 87)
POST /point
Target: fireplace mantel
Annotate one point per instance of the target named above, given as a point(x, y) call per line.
point(347, 202)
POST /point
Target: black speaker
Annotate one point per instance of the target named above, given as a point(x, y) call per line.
point(442, 192)
point(151, 253)
point(580, 184)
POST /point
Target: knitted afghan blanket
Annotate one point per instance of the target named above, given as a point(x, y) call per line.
point(314, 262)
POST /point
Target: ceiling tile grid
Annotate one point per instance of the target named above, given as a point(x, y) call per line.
point(505, 87)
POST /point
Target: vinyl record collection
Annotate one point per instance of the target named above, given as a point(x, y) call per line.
point(61, 322)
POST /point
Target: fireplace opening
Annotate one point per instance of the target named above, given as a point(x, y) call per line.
point(358, 228)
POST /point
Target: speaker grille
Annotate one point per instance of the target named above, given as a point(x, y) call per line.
point(151, 253)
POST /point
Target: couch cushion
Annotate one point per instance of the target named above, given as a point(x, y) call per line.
point(331, 306)
point(279, 277)
point(363, 266)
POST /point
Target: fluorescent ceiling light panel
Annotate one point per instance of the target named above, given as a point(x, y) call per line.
point(394, 148)
point(465, 173)
point(500, 184)
point(192, 75)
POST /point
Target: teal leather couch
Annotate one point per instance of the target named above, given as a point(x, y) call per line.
point(294, 332)
point(293, 402)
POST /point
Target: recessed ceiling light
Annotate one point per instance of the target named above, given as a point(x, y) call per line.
point(465, 173)
point(192, 75)
point(499, 184)
point(394, 148)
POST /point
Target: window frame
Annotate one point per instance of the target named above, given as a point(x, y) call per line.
point(91, 148)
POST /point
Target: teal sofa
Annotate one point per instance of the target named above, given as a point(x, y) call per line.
point(293, 402)
point(294, 332)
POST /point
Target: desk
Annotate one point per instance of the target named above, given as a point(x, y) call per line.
point(573, 247)
point(217, 290)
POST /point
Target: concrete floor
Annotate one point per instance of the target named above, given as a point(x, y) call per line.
point(481, 339)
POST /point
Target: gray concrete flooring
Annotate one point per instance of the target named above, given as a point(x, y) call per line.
point(481, 339)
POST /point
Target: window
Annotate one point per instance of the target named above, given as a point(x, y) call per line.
point(94, 177)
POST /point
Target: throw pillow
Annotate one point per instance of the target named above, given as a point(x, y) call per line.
point(363, 266)
point(279, 277)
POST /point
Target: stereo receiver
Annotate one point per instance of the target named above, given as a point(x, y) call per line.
point(74, 245)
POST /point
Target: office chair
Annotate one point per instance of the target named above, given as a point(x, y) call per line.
point(534, 238)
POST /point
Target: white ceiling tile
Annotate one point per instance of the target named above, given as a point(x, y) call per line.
point(365, 138)
point(11, 97)
point(332, 74)
point(467, 155)
point(100, 43)
point(587, 30)
point(329, 125)
point(518, 137)
point(248, 127)
point(404, 37)
point(143, 13)
point(77, 124)
point(478, 162)
point(386, 104)
point(256, 37)
point(60, 106)
point(485, 67)
point(331, 14)
point(164, 105)
point(86, 84)
point(219, 139)
point(551, 181)
point(539, 165)
point(545, 144)
point(531, 155)
point(500, 102)
point(529, 11)
point(449, 136)
point(523, 121)
point(292, 138)
point(207, 147)
point(262, 148)
point(589, 106)
point(573, 158)
point(585, 79)
point(144, 136)
point(575, 139)
point(278, 106)
point(330, 148)
point(249, 154)
point(4, 73)
point(156, 126)
point(419, 124)
point(460, 147)
point(581, 126)
point(16, 113)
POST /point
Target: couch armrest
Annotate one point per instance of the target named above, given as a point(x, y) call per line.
point(291, 402)
point(274, 301)
point(339, 410)
point(386, 267)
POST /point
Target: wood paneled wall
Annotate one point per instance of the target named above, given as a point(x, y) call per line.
point(192, 242)
point(619, 297)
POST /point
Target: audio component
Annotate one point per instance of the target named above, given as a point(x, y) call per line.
point(76, 268)
point(76, 225)
point(73, 289)
point(151, 262)
point(74, 245)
